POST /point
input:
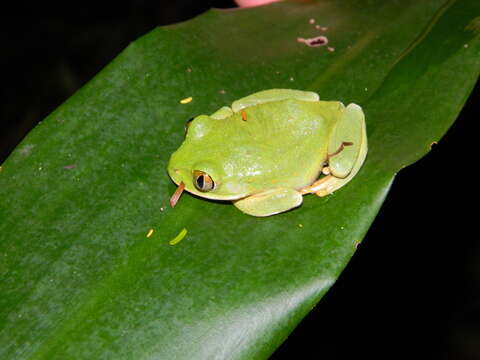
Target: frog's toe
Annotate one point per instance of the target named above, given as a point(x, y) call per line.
point(323, 187)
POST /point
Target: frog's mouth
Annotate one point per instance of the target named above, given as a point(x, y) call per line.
point(184, 180)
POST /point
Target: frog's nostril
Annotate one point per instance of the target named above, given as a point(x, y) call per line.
point(176, 171)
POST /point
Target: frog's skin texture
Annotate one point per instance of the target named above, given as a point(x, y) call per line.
point(269, 149)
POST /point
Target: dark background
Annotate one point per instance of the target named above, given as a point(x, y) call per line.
point(411, 290)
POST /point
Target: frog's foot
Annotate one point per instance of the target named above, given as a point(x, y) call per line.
point(347, 152)
point(323, 187)
point(270, 202)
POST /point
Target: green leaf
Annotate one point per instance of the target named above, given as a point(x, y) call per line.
point(80, 277)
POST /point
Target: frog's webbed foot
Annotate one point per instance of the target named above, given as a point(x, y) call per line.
point(270, 202)
point(347, 151)
point(324, 186)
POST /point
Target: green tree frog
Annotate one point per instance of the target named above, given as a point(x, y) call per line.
point(269, 149)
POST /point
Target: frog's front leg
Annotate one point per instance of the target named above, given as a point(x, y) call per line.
point(270, 202)
point(347, 151)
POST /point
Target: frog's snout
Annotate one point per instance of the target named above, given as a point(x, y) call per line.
point(179, 175)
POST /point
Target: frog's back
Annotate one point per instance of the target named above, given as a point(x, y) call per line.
point(285, 141)
point(290, 121)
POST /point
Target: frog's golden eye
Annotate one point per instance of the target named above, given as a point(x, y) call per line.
point(202, 181)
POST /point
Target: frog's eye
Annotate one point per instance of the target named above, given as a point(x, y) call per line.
point(202, 181)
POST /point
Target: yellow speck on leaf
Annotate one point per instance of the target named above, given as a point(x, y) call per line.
point(186, 100)
point(179, 237)
point(150, 232)
point(300, 225)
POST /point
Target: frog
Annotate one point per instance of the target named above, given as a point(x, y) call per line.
point(269, 149)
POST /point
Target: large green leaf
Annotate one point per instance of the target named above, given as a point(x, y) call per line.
point(80, 278)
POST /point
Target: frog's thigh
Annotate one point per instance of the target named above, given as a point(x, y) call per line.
point(350, 130)
point(344, 165)
point(273, 95)
point(270, 202)
point(222, 113)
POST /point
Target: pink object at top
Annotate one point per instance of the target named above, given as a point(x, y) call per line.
point(251, 3)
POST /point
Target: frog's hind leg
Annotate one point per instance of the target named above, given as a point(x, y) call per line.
point(347, 151)
point(266, 96)
point(325, 186)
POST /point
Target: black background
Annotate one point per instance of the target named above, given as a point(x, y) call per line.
point(411, 290)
